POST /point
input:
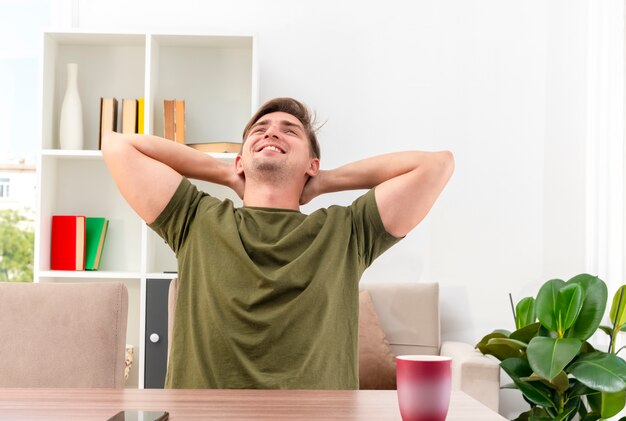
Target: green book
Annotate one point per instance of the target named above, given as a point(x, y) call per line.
point(96, 231)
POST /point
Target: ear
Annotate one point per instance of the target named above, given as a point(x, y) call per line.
point(314, 167)
point(238, 165)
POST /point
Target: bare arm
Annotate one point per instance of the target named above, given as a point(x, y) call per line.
point(407, 184)
point(148, 169)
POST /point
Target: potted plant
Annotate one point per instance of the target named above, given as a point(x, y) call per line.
point(559, 373)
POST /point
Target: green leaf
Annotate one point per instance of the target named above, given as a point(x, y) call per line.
point(606, 329)
point(525, 313)
point(501, 352)
point(543, 331)
point(538, 414)
point(535, 414)
point(491, 335)
point(600, 371)
point(587, 348)
point(526, 333)
point(522, 417)
point(579, 389)
point(549, 356)
point(535, 392)
point(559, 383)
point(567, 412)
point(594, 304)
point(512, 343)
point(547, 303)
point(582, 409)
point(569, 302)
point(618, 309)
point(607, 404)
point(572, 407)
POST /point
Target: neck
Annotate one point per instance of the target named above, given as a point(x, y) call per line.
point(272, 195)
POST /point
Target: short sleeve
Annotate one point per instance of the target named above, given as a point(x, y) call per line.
point(174, 221)
point(372, 237)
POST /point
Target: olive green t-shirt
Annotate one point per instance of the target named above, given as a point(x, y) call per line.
point(267, 298)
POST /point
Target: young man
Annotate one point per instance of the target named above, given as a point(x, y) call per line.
point(268, 296)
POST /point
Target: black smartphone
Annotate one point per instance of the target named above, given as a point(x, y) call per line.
point(140, 416)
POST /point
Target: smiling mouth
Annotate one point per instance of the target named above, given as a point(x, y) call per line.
point(272, 148)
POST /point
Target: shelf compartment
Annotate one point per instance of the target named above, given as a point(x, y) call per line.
point(66, 190)
point(214, 75)
point(109, 65)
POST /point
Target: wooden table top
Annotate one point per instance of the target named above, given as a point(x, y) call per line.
point(100, 404)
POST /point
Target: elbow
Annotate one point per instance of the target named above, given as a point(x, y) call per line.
point(439, 168)
point(106, 142)
point(112, 143)
point(445, 163)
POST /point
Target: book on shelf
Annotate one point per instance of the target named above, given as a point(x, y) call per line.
point(169, 118)
point(174, 120)
point(129, 115)
point(140, 117)
point(217, 147)
point(179, 126)
point(68, 237)
point(108, 117)
point(96, 231)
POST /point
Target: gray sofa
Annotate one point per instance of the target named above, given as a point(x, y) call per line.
point(409, 315)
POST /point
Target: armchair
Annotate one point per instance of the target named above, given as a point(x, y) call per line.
point(62, 334)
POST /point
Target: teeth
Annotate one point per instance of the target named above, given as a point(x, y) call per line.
point(273, 148)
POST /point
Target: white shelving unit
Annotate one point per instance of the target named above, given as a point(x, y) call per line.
point(216, 75)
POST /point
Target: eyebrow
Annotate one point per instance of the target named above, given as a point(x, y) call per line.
point(286, 123)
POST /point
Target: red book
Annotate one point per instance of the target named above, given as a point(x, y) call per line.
point(68, 243)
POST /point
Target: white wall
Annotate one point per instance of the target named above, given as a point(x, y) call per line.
point(500, 83)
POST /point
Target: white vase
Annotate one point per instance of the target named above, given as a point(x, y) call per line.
point(71, 124)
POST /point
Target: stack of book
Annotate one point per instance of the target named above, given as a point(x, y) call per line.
point(174, 129)
point(132, 116)
point(77, 242)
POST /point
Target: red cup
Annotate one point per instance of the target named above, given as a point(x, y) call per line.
point(424, 383)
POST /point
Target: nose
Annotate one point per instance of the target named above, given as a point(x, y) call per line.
point(271, 131)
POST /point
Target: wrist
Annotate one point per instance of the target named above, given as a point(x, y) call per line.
point(223, 174)
point(321, 182)
point(328, 181)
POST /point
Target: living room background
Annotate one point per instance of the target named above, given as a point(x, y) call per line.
point(504, 85)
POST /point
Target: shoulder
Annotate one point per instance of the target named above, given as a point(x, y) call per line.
point(362, 207)
point(186, 201)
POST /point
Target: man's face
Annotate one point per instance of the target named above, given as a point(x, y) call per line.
point(276, 145)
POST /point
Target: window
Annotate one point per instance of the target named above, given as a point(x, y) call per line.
point(20, 38)
point(5, 183)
